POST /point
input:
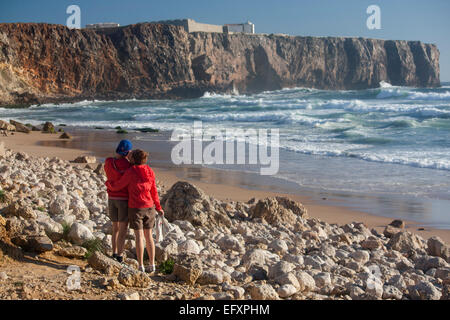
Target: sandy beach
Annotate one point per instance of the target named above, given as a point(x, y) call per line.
point(49, 145)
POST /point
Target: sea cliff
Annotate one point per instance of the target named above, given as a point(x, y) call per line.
point(42, 63)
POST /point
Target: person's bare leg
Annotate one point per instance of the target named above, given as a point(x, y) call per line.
point(115, 232)
point(121, 237)
point(150, 246)
point(139, 246)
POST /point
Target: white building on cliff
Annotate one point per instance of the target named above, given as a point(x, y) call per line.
point(191, 25)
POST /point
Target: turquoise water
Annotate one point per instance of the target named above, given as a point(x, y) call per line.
point(384, 141)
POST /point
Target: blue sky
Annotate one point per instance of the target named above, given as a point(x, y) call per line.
point(427, 21)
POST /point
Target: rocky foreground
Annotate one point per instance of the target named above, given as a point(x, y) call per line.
point(262, 249)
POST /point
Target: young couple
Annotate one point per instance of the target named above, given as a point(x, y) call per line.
point(132, 199)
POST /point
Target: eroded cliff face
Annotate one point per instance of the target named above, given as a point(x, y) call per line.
point(51, 63)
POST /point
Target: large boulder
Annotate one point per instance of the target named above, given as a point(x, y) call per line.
point(20, 209)
point(278, 211)
point(406, 242)
point(262, 292)
point(212, 276)
point(288, 278)
point(286, 290)
point(76, 252)
point(48, 127)
point(79, 209)
point(59, 205)
point(360, 256)
point(426, 263)
point(39, 244)
point(189, 246)
point(259, 257)
point(185, 201)
point(79, 233)
point(7, 126)
point(279, 246)
point(437, 247)
point(424, 291)
point(230, 242)
point(53, 230)
point(306, 281)
point(104, 264)
point(7, 247)
point(280, 269)
point(389, 231)
point(133, 278)
point(167, 249)
point(20, 127)
point(187, 268)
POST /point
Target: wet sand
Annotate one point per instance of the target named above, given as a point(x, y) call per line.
point(224, 185)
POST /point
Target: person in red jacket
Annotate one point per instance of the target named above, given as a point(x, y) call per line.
point(118, 199)
point(143, 202)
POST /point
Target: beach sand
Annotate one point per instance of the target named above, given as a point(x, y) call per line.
point(49, 145)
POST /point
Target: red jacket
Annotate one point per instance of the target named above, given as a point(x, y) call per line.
point(115, 169)
point(141, 184)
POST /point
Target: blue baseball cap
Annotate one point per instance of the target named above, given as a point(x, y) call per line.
point(124, 147)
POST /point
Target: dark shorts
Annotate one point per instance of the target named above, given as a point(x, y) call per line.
point(142, 218)
point(118, 210)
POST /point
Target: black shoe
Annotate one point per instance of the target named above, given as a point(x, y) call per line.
point(119, 258)
point(114, 256)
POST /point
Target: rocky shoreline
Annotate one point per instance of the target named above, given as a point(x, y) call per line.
point(261, 249)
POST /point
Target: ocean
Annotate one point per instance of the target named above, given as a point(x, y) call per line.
point(385, 143)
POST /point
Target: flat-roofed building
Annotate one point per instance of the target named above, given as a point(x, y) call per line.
point(192, 26)
point(247, 27)
point(104, 25)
